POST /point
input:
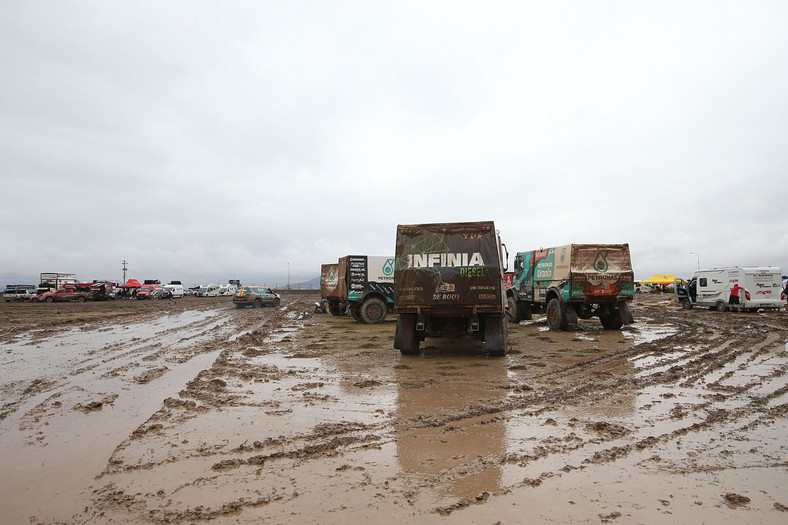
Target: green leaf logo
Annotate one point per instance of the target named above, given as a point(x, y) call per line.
point(600, 262)
point(388, 268)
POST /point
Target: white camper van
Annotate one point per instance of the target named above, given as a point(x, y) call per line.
point(228, 289)
point(208, 290)
point(762, 288)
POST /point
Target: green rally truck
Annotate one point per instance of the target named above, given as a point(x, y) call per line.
point(571, 282)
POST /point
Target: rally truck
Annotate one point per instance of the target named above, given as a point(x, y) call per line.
point(370, 287)
point(449, 282)
point(359, 285)
point(571, 282)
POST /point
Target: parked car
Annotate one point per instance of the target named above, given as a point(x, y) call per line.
point(149, 291)
point(20, 292)
point(256, 296)
point(67, 293)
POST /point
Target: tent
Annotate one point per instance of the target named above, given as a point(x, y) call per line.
point(131, 283)
point(660, 278)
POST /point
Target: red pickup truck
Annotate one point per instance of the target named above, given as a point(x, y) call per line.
point(67, 293)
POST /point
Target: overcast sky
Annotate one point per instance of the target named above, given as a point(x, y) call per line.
point(207, 141)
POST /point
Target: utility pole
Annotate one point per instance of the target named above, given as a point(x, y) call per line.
point(124, 271)
point(698, 256)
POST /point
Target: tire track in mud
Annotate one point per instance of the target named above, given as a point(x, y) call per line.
point(679, 367)
point(136, 352)
point(717, 377)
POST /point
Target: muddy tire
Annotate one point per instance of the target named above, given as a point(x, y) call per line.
point(526, 312)
point(373, 310)
point(612, 321)
point(81, 299)
point(721, 306)
point(355, 313)
point(405, 337)
point(556, 315)
point(686, 304)
point(512, 310)
point(277, 302)
point(495, 335)
point(334, 308)
point(49, 299)
point(258, 303)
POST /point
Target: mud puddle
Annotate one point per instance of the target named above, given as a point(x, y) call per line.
point(69, 399)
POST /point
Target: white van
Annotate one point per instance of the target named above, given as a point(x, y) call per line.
point(762, 288)
point(176, 290)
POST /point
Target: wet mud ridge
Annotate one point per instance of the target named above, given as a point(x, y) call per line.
point(208, 413)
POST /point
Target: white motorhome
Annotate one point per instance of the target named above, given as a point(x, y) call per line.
point(209, 290)
point(762, 288)
point(228, 289)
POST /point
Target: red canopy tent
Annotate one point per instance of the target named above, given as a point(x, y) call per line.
point(131, 283)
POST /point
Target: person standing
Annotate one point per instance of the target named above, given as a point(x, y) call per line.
point(734, 297)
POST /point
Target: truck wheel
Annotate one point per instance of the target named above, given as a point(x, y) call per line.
point(721, 306)
point(80, 299)
point(49, 299)
point(495, 335)
point(525, 311)
point(556, 315)
point(405, 337)
point(258, 303)
point(334, 308)
point(355, 313)
point(373, 311)
point(612, 320)
point(512, 310)
point(686, 304)
point(277, 301)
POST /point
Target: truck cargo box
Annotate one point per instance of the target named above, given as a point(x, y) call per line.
point(452, 265)
point(448, 282)
point(573, 281)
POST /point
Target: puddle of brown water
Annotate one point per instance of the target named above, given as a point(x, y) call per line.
point(50, 451)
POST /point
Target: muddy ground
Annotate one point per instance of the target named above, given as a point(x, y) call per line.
point(192, 411)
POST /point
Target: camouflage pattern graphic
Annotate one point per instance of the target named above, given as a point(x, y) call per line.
point(448, 264)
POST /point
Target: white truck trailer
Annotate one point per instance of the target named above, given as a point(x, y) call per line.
point(711, 288)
